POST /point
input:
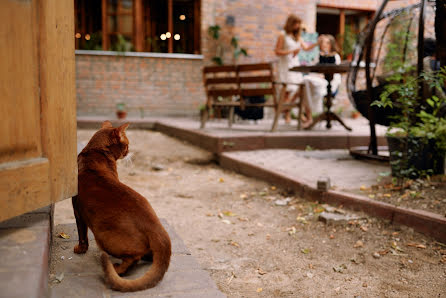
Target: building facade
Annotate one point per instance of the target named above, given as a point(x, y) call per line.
point(149, 54)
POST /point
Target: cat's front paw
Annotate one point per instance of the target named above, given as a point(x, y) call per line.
point(80, 248)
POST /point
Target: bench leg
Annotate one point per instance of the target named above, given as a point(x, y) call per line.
point(300, 106)
point(231, 116)
point(204, 117)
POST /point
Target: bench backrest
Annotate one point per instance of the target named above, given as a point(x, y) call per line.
point(255, 79)
point(220, 81)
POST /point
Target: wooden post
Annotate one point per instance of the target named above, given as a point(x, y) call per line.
point(341, 30)
point(105, 39)
point(170, 25)
point(138, 25)
point(148, 28)
point(197, 27)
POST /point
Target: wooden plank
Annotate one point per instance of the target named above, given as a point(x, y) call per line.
point(24, 186)
point(138, 25)
point(197, 27)
point(215, 81)
point(256, 92)
point(223, 92)
point(341, 29)
point(170, 25)
point(105, 37)
point(223, 68)
point(19, 91)
point(256, 66)
point(58, 95)
point(256, 79)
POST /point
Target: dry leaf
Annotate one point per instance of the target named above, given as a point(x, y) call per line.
point(417, 245)
point(363, 188)
point(260, 271)
point(305, 251)
point(273, 188)
point(301, 220)
point(233, 243)
point(332, 236)
point(221, 180)
point(387, 195)
point(268, 236)
point(259, 290)
point(64, 236)
point(243, 196)
point(226, 221)
point(358, 244)
point(364, 228)
point(291, 230)
point(228, 213)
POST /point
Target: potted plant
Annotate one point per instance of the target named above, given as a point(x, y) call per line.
point(417, 134)
point(121, 112)
point(214, 33)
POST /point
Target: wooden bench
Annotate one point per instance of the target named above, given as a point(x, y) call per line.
point(230, 86)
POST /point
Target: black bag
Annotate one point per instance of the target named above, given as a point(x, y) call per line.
point(251, 113)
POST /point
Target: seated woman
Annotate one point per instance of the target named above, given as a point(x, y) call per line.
point(316, 85)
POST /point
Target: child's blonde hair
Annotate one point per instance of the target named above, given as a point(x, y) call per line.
point(332, 40)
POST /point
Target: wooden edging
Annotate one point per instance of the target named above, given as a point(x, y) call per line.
point(422, 221)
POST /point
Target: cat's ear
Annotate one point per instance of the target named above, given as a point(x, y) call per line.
point(106, 124)
point(121, 131)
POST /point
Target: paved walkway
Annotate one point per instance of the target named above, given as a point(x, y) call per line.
point(82, 276)
point(345, 173)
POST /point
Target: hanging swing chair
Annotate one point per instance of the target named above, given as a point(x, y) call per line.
point(392, 38)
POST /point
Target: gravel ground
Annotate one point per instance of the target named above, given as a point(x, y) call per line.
point(252, 247)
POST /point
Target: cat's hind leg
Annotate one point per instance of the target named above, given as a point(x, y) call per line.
point(82, 228)
point(125, 265)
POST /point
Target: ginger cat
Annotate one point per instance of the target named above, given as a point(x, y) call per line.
point(122, 221)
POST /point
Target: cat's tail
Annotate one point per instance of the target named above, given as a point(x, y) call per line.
point(161, 260)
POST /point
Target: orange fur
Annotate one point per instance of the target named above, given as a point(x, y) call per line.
point(122, 221)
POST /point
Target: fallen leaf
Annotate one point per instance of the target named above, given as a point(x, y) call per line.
point(363, 188)
point(364, 284)
point(332, 236)
point(260, 271)
point(358, 244)
point(268, 236)
point(340, 268)
point(243, 219)
point(64, 236)
point(60, 277)
point(233, 243)
point(243, 196)
point(209, 214)
point(226, 221)
point(372, 196)
point(262, 193)
point(376, 255)
point(259, 290)
point(273, 188)
point(221, 180)
point(229, 213)
point(417, 245)
point(364, 228)
point(387, 195)
point(309, 275)
point(305, 251)
point(291, 231)
point(301, 220)
point(337, 289)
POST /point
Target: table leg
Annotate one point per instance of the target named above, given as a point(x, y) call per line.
point(328, 102)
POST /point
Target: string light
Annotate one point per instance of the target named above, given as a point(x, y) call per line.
point(182, 17)
point(176, 37)
point(163, 36)
point(87, 36)
point(168, 35)
point(78, 35)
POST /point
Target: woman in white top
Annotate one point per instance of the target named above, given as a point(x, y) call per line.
point(288, 46)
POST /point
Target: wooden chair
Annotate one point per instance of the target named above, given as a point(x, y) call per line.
point(241, 81)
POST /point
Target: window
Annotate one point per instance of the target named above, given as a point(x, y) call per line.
point(165, 26)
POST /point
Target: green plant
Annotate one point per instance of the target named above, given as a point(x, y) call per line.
point(214, 33)
point(121, 45)
point(120, 106)
point(417, 122)
point(349, 40)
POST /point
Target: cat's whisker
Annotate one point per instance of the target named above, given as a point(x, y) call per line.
point(128, 162)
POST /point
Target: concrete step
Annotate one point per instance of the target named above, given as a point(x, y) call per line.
point(24, 251)
point(82, 276)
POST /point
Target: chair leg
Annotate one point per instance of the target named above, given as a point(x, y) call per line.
point(278, 108)
point(299, 106)
point(231, 116)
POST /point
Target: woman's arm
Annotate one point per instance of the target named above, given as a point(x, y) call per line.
point(279, 47)
point(305, 47)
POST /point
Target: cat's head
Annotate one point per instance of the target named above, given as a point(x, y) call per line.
point(112, 139)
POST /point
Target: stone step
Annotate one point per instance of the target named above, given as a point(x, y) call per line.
point(82, 275)
point(24, 251)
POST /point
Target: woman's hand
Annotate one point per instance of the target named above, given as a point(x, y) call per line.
point(295, 52)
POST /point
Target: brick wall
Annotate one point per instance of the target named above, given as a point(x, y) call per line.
point(158, 86)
